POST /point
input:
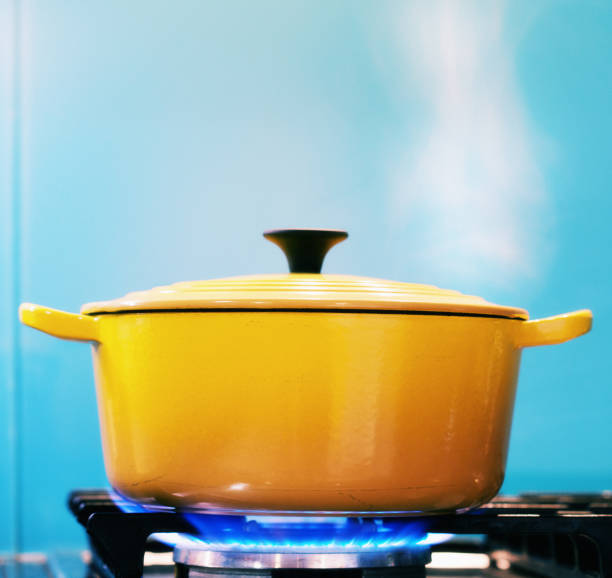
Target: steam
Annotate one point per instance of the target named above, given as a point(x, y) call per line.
point(469, 186)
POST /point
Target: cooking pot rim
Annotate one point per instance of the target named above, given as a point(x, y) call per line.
point(306, 310)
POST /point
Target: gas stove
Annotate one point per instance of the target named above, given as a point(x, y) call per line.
point(550, 535)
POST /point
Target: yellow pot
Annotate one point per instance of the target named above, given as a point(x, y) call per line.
point(305, 392)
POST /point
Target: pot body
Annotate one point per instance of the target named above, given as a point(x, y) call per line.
point(336, 412)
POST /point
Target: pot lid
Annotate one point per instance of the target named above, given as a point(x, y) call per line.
point(304, 288)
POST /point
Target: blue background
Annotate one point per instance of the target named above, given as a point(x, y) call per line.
point(461, 144)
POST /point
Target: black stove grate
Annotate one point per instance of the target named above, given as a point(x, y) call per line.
point(551, 535)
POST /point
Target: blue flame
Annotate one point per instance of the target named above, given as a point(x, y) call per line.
point(298, 533)
point(431, 539)
point(128, 506)
point(275, 533)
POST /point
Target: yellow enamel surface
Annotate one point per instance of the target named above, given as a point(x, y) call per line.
point(310, 411)
point(334, 412)
point(557, 329)
point(303, 291)
point(59, 323)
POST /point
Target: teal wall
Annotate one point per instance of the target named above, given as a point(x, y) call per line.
point(462, 144)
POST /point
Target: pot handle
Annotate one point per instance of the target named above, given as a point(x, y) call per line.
point(60, 323)
point(557, 329)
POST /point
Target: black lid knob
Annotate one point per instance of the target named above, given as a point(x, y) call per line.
point(305, 249)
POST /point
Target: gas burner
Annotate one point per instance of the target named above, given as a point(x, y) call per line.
point(273, 542)
point(306, 534)
point(196, 554)
point(549, 535)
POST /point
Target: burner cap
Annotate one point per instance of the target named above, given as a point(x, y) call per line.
point(199, 554)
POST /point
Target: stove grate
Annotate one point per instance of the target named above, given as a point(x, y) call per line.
point(550, 535)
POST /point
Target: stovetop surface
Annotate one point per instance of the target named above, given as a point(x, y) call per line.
point(548, 535)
